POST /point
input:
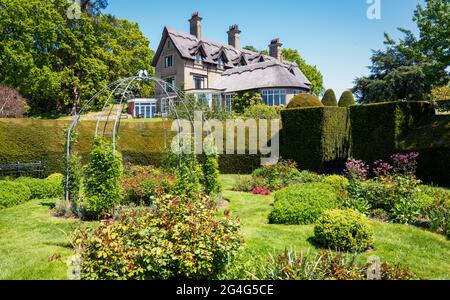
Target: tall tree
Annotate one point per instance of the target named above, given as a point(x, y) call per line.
point(59, 62)
point(410, 68)
point(311, 72)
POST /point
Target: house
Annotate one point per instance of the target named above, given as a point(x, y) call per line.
point(214, 72)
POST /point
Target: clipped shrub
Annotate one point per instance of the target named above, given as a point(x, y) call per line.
point(302, 204)
point(102, 178)
point(262, 112)
point(347, 99)
point(329, 98)
point(51, 187)
point(346, 230)
point(247, 183)
point(304, 100)
point(13, 193)
point(180, 239)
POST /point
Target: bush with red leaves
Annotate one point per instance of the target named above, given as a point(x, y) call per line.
point(261, 191)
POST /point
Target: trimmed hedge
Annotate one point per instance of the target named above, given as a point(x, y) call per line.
point(51, 187)
point(316, 138)
point(140, 142)
point(345, 230)
point(376, 129)
point(304, 100)
point(329, 98)
point(13, 193)
point(302, 204)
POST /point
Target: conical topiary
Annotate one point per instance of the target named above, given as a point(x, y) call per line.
point(305, 100)
point(329, 99)
point(347, 99)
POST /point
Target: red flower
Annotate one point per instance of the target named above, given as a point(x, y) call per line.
point(261, 191)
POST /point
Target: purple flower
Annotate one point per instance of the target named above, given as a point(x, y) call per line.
point(356, 169)
point(405, 164)
point(382, 169)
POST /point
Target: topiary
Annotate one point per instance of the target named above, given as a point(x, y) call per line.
point(305, 100)
point(346, 230)
point(346, 99)
point(329, 98)
point(302, 204)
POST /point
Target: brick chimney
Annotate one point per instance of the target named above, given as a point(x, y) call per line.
point(196, 25)
point(234, 36)
point(275, 49)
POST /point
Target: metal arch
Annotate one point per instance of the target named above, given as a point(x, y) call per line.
point(118, 115)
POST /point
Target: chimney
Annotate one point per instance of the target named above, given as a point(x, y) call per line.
point(275, 49)
point(234, 37)
point(196, 25)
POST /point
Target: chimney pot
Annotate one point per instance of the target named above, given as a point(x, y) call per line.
point(196, 25)
point(275, 49)
point(234, 36)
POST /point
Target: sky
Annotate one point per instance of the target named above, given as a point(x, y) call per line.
point(335, 35)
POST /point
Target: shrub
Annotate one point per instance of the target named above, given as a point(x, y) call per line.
point(261, 191)
point(302, 204)
point(437, 212)
point(210, 179)
point(242, 101)
point(304, 100)
point(405, 164)
point(141, 185)
point(187, 177)
point(346, 230)
point(180, 239)
point(347, 99)
point(13, 193)
point(356, 169)
point(325, 265)
point(329, 98)
point(279, 175)
point(102, 178)
point(339, 183)
point(247, 184)
point(51, 187)
point(262, 112)
point(357, 199)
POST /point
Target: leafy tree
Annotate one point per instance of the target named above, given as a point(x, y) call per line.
point(410, 68)
point(12, 105)
point(244, 100)
point(59, 63)
point(346, 99)
point(440, 93)
point(329, 98)
point(251, 48)
point(311, 72)
point(93, 7)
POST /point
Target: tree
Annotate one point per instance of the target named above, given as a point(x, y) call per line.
point(409, 69)
point(59, 63)
point(12, 105)
point(244, 100)
point(440, 93)
point(346, 99)
point(311, 72)
point(251, 48)
point(329, 98)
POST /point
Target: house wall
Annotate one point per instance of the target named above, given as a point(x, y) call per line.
point(177, 70)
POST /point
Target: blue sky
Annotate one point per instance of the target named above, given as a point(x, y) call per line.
point(335, 35)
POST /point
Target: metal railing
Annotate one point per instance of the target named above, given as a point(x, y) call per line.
point(22, 169)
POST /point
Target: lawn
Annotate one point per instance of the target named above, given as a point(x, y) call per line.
point(35, 245)
point(424, 252)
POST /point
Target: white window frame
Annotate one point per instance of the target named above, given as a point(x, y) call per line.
point(205, 81)
point(167, 86)
point(168, 61)
point(274, 97)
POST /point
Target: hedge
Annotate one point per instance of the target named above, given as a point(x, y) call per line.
point(316, 138)
point(141, 142)
point(376, 129)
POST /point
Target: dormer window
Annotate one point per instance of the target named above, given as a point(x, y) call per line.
point(220, 63)
point(198, 58)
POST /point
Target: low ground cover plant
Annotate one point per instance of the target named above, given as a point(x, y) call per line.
point(179, 238)
point(302, 204)
point(326, 265)
point(346, 230)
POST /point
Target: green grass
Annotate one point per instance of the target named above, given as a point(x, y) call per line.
point(29, 236)
point(423, 252)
